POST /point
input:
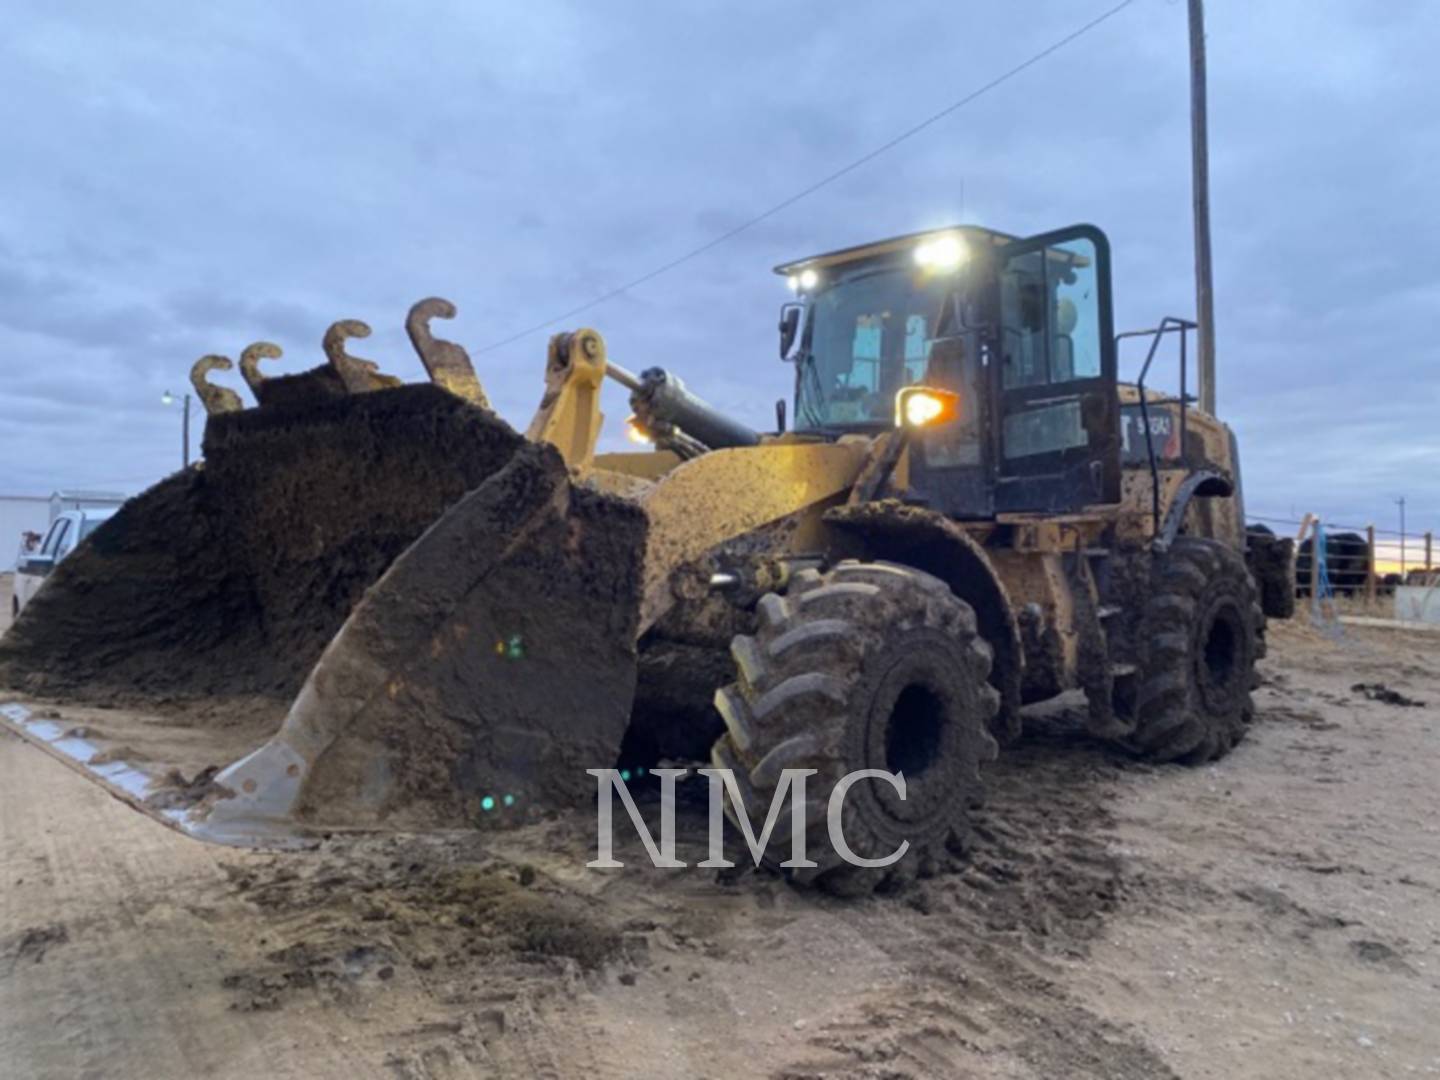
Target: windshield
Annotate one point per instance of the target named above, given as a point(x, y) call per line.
point(90, 524)
point(869, 336)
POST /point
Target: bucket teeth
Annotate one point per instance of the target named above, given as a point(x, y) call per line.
point(216, 399)
point(250, 364)
point(447, 363)
point(359, 376)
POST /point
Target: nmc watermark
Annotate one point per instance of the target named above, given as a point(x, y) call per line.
point(722, 785)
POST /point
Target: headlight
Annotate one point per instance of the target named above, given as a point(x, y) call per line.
point(635, 433)
point(924, 406)
point(942, 253)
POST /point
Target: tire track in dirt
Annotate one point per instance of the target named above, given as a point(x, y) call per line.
point(985, 949)
point(1113, 919)
point(465, 955)
point(507, 957)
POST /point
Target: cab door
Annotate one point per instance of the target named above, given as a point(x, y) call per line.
point(1056, 418)
point(35, 567)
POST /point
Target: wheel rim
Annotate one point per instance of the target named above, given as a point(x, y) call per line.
point(910, 728)
point(914, 730)
point(1221, 654)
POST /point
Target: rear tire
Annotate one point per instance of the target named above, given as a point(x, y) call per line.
point(1204, 631)
point(1271, 560)
point(869, 666)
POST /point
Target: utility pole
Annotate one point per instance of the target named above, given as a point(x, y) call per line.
point(168, 398)
point(1200, 189)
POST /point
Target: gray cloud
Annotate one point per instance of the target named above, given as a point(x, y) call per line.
point(186, 179)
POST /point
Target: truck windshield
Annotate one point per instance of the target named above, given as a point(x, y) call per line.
point(90, 524)
point(869, 335)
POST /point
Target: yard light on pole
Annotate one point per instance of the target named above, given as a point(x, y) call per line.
point(168, 398)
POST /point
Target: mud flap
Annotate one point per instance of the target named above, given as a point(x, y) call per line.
point(489, 667)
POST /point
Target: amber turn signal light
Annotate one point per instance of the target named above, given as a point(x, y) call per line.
point(925, 406)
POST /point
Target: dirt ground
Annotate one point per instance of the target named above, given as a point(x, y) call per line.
point(1274, 915)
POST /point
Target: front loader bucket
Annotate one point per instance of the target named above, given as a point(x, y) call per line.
point(383, 610)
point(489, 667)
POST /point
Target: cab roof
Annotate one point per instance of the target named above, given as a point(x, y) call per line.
point(973, 233)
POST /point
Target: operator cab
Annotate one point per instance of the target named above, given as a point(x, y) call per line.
point(1015, 333)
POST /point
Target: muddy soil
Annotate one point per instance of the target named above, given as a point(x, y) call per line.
point(1274, 915)
point(227, 580)
point(444, 544)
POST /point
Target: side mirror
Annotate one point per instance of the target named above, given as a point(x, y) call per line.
point(789, 328)
point(38, 564)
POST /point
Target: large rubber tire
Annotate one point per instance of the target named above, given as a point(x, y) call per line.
point(1270, 559)
point(869, 666)
point(1204, 631)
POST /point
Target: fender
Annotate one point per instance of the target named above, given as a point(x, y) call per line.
point(929, 541)
point(1202, 483)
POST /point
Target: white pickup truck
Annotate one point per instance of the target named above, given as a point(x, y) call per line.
point(65, 532)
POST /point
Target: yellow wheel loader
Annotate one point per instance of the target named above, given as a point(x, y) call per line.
point(379, 606)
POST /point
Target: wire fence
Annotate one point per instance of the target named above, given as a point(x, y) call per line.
point(1337, 526)
point(1359, 570)
point(1394, 551)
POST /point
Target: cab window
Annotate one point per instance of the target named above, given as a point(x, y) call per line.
point(57, 533)
point(67, 541)
point(917, 349)
point(1050, 315)
point(869, 336)
point(864, 372)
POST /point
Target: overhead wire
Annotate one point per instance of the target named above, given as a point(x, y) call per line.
point(810, 189)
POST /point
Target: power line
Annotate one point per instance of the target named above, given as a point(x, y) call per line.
point(1379, 531)
point(845, 170)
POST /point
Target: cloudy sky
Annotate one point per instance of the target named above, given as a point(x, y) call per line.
point(186, 178)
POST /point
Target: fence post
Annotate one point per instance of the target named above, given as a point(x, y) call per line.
point(1427, 555)
point(1370, 568)
point(1299, 540)
point(1317, 538)
point(1304, 528)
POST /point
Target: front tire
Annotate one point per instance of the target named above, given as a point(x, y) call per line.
point(1204, 631)
point(868, 666)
